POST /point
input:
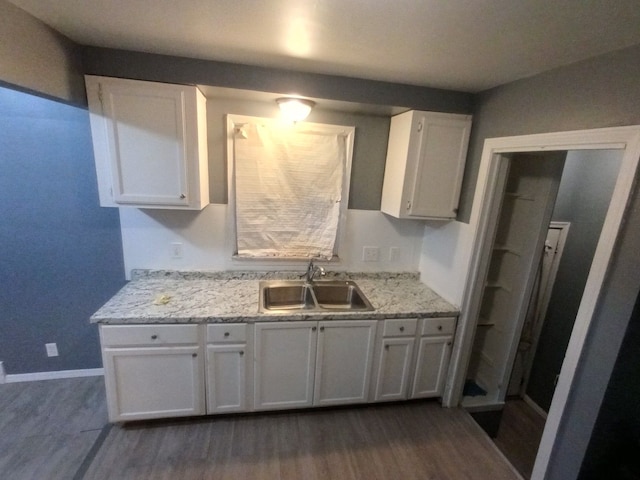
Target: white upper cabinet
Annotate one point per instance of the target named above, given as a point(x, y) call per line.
point(150, 143)
point(425, 164)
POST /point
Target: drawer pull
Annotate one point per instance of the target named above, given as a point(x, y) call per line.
point(448, 343)
point(241, 353)
point(386, 347)
point(194, 355)
point(439, 327)
point(402, 329)
point(226, 334)
point(154, 337)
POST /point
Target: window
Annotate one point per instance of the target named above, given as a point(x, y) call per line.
point(289, 186)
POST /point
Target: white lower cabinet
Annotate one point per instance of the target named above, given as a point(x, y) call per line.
point(395, 359)
point(302, 364)
point(152, 371)
point(156, 371)
point(432, 362)
point(285, 357)
point(227, 372)
point(343, 362)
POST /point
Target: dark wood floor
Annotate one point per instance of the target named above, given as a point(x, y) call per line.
point(47, 428)
point(519, 435)
point(54, 429)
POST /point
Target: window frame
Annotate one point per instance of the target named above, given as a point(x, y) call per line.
point(233, 121)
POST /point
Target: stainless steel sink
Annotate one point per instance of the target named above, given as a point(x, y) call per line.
point(288, 297)
point(298, 295)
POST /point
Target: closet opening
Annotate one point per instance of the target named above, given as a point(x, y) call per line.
point(549, 213)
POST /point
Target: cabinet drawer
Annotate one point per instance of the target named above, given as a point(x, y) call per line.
point(124, 335)
point(438, 326)
point(227, 333)
point(401, 327)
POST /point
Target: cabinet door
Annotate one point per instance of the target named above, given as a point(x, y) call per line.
point(441, 149)
point(343, 365)
point(285, 354)
point(148, 148)
point(226, 378)
point(431, 366)
point(153, 382)
point(394, 368)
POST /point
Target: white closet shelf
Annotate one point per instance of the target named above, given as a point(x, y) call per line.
point(507, 249)
point(496, 285)
point(519, 196)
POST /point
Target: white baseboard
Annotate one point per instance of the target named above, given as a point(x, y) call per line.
point(33, 377)
point(535, 406)
point(3, 375)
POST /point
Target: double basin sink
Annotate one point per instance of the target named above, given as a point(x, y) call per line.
point(298, 295)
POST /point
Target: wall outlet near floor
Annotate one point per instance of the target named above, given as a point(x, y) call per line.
point(52, 349)
point(370, 254)
point(176, 250)
point(394, 254)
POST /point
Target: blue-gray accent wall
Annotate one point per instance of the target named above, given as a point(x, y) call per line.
point(61, 253)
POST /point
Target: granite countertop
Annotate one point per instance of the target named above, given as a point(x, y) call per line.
point(211, 297)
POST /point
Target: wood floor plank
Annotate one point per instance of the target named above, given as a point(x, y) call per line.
point(48, 427)
point(411, 441)
point(519, 435)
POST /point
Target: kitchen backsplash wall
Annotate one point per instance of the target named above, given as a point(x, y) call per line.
point(207, 244)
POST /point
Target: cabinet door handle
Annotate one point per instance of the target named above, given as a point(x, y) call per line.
point(439, 327)
point(194, 355)
point(322, 329)
point(313, 329)
point(226, 334)
point(182, 196)
point(402, 329)
point(241, 353)
point(419, 126)
point(386, 347)
point(154, 337)
point(448, 343)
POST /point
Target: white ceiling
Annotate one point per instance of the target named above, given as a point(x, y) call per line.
point(467, 45)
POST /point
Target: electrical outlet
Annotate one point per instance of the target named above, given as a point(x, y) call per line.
point(394, 254)
point(52, 349)
point(176, 250)
point(370, 254)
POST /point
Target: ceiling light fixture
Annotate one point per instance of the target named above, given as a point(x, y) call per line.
point(295, 109)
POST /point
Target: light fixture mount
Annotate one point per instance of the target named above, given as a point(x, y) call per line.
point(294, 108)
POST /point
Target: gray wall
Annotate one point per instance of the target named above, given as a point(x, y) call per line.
point(369, 150)
point(600, 92)
point(34, 57)
point(588, 179)
point(164, 68)
point(371, 131)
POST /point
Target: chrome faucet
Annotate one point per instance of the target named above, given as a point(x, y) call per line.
point(312, 270)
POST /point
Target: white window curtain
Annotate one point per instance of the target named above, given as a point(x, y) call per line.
point(288, 188)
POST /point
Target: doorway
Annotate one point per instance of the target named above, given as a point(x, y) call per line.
point(584, 194)
point(478, 235)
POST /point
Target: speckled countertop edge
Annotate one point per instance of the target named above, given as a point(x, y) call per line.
point(161, 296)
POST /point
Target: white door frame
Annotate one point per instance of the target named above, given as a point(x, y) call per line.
point(482, 218)
point(544, 303)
